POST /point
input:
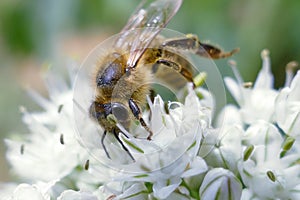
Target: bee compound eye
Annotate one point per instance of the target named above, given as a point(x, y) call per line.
point(94, 111)
point(120, 112)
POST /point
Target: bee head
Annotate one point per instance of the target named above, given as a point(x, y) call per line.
point(102, 113)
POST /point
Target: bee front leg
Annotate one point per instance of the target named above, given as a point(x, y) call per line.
point(192, 43)
point(103, 145)
point(136, 111)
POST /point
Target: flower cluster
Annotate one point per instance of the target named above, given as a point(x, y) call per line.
point(252, 152)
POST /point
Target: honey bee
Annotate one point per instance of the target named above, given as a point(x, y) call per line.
point(122, 78)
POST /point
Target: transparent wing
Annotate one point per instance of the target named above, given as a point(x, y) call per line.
point(144, 24)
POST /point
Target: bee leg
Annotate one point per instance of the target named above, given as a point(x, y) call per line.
point(137, 114)
point(103, 145)
point(193, 44)
point(123, 146)
point(207, 50)
point(177, 67)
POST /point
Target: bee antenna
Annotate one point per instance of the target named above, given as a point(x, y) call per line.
point(103, 145)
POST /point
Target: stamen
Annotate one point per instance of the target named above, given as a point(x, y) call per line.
point(166, 107)
point(60, 108)
point(235, 71)
point(248, 152)
point(87, 165)
point(190, 87)
point(61, 139)
point(265, 55)
point(22, 109)
point(22, 148)
point(289, 72)
point(111, 197)
point(271, 176)
point(247, 85)
point(288, 143)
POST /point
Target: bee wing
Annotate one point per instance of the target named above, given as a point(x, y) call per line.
point(144, 24)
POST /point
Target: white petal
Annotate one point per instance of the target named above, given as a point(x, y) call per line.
point(295, 88)
point(6, 190)
point(235, 90)
point(220, 184)
point(177, 196)
point(259, 105)
point(248, 195)
point(230, 115)
point(163, 188)
point(295, 193)
point(135, 192)
point(226, 149)
point(72, 195)
point(263, 133)
point(197, 166)
point(25, 191)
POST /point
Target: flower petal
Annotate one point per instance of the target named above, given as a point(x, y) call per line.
point(71, 195)
point(220, 184)
point(163, 188)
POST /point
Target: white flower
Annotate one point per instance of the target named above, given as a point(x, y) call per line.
point(257, 102)
point(135, 191)
point(186, 159)
point(163, 182)
point(288, 108)
point(6, 190)
point(223, 147)
point(184, 126)
point(39, 191)
point(94, 175)
point(72, 195)
point(51, 148)
point(229, 115)
point(219, 183)
point(266, 173)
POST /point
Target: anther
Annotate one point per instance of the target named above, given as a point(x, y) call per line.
point(87, 165)
point(22, 148)
point(61, 139)
point(60, 108)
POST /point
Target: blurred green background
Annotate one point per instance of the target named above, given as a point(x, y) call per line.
point(36, 32)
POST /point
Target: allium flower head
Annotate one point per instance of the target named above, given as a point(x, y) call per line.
point(51, 145)
point(252, 153)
